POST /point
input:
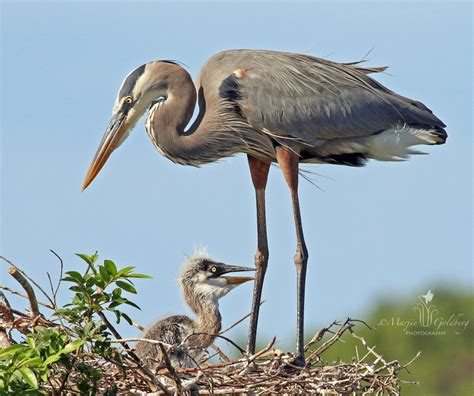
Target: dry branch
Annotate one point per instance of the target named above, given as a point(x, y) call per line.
point(6, 319)
point(13, 271)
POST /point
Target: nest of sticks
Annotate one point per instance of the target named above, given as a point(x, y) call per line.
point(269, 371)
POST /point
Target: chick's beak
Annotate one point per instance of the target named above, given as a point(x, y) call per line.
point(111, 140)
point(236, 280)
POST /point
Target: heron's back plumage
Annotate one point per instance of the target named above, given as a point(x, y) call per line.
point(322, 109)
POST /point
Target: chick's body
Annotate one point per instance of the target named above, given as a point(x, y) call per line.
point(202, 284)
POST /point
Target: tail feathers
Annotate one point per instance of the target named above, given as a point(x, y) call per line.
point(439, 135)
point(394, 144)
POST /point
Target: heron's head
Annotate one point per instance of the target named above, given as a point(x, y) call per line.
point(140, 88)
point(205, 279)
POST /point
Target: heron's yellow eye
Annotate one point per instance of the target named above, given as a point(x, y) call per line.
point(128, 100)
point(213, 268)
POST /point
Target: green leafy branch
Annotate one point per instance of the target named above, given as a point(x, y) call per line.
point(74, 332)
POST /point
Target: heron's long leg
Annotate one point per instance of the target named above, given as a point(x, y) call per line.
point(259, 171)
point(288, 161)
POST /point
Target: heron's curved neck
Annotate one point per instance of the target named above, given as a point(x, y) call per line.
point(168, 118)
point(218, 131)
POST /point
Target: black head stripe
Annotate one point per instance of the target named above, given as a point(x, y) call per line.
point(169, 61)
point(130, 81)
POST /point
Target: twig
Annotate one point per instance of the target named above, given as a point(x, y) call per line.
point(68, 373)
point(220, 353)
point(262, 351)
point(171, 369)
point(134, 357)
point(208, 367)
point(242, 351)
point(30, 279)
point(418, 354)
point(138, 326)
point(239, 321)
point(6, 316)
point(17, 293)
point(346, 326)
point(60, 273)
point(150, 376)
point(369, 348)
point(51, 287)
point(320, 334)
point(5, 309)
point(55, 291)
point(360, 321)
point(13, 271)
point(133, 339)
point(117, 335)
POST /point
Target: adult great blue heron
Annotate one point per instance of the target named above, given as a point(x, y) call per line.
point(275, 107)
point(202, 283)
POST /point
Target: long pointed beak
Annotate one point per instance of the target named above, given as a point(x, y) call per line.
point(109, 143)
point(236, 280)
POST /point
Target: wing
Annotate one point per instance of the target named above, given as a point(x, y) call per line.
point(301, 97)
point(171, 330)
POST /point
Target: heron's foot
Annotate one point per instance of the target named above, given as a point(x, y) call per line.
point(294, 366)
point(298, 361)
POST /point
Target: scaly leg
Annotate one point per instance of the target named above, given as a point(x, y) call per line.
point(259, 171)
point(288, 161)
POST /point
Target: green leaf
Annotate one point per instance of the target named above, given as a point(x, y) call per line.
point(101, 282)
point(29, 377)
point(117, 316)
point(74, 276)
point(127, 318)
point(128, 302)
point(90, 281)
point(125, 271)
point(113, 305)
point(118, 299)
point(88, 259)
point(31, 342)
point(110, 267)
point(105, 273)
point(126, 286)
point(52, 359)
point(12, 349)
point(141, 276)
point(72, 346)
point(77, 289)
point(33, 362)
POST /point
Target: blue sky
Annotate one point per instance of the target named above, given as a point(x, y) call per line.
point(383, 230)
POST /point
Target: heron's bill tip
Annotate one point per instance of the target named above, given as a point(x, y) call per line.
point(110, 141)
point(90, 176)
point(84, 186)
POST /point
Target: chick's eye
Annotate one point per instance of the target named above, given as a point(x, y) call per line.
point(213, 269)
point(127, 100)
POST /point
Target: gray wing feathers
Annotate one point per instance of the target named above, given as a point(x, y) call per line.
point(301, 97)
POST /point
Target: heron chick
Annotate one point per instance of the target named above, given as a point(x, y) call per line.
point(202, 284)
